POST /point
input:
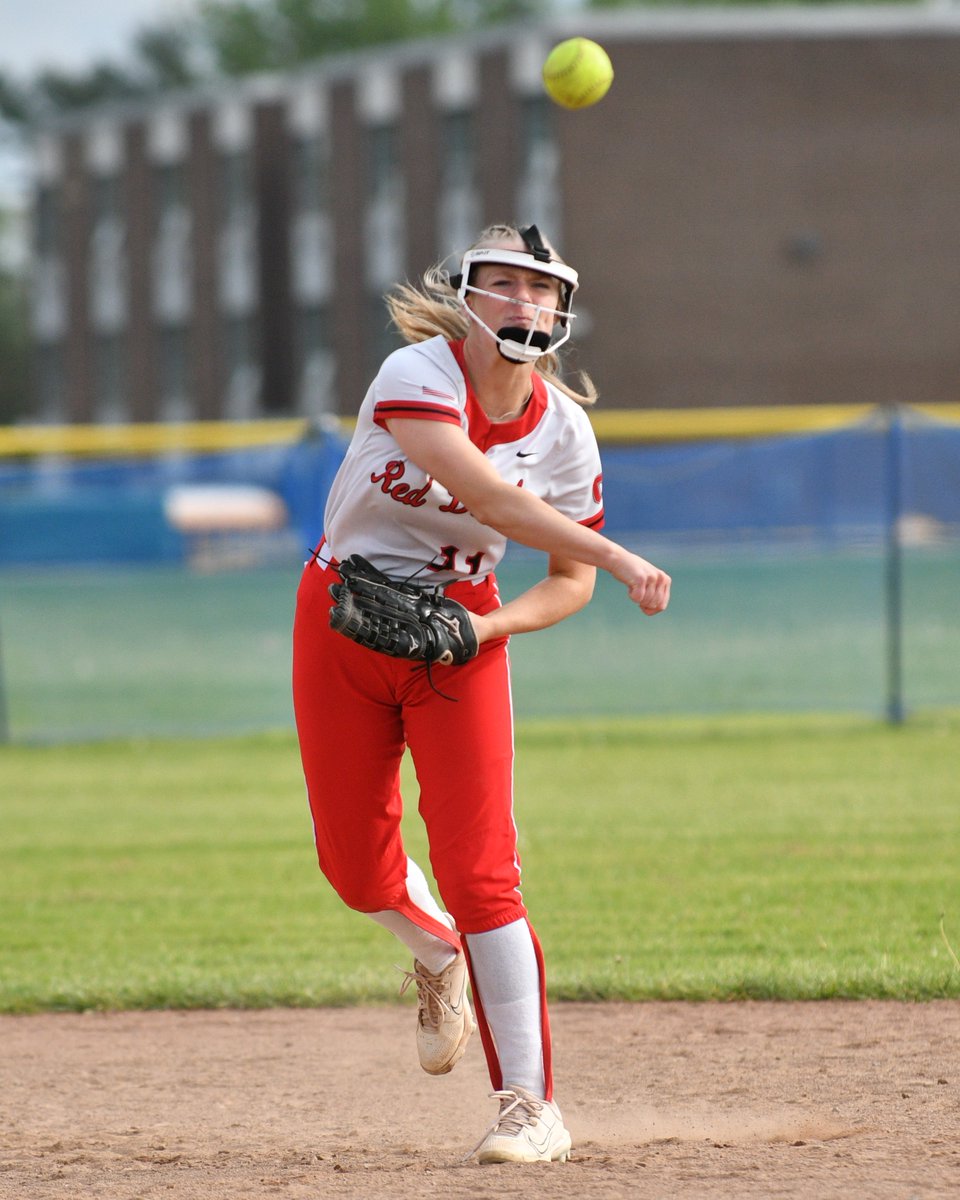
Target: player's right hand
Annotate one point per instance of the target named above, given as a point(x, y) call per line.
point(647, 586)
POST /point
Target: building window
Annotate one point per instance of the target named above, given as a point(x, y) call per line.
point(313, 331)
point(310, 168)
point(172, 268)
point(49, 297)
point(111, 398)
point(108, 275)
point(536, 121)
point(169, 188)
point(382, 160)
point(538, 190)
point(458, 150)
point(174, 373)
point(237, 274)
point(384, 240)
point(47, 220)
point(236, 183)
point(241, 369)
point(311, 240)
point(315, 360)
point(458, 214)
point(48, 367)
point(104, 197)
point(311, 258)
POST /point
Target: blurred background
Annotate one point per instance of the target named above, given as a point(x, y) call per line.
point(202, 203)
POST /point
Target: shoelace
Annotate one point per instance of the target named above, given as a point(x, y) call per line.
point(433, 1006)
point(516, 1113)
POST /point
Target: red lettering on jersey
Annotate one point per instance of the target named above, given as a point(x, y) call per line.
point(389, 480)
point(598, 488)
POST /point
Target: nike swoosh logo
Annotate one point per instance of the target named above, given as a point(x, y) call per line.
point(541, 1146)
point(527, 454)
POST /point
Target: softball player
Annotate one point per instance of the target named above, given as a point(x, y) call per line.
point(466, 438)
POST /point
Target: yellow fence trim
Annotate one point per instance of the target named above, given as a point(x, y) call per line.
point(617, 425)
point(146, 439)
point(699, 424)
point(940, 412)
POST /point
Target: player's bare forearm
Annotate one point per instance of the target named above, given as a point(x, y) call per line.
point(566, 589)
point(444, 452)
point(527, 519)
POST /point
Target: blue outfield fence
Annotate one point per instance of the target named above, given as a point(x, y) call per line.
point(78, 511)
point(812, 571)
point(830, 488)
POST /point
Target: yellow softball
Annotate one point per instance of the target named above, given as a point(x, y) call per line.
point(577, 73)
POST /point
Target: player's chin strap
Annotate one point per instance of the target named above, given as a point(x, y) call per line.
point(516, 344)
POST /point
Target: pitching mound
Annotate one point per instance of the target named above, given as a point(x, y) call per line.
point(679, 1100)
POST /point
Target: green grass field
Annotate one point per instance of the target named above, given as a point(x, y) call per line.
point(794, 857)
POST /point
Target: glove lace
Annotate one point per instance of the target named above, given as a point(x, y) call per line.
point(428, 667)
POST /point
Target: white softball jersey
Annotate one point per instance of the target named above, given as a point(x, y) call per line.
point(382, 506)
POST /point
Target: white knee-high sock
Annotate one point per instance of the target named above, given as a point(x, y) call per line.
point(507, 977)
point(427, 948)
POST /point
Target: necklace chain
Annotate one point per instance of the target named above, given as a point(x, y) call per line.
point(513, 412)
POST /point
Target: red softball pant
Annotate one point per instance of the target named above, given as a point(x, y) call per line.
point(356, 711)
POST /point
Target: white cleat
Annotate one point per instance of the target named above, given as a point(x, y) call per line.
point(527, 1130)
point(444, 1019)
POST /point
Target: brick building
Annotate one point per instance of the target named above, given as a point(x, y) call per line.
point(763, 211)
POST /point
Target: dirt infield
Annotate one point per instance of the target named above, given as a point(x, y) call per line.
point(663, 1100)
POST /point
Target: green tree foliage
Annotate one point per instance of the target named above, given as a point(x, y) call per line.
point(165, 53)
point(228, 38)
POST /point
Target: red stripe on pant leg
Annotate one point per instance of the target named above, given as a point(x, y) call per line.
point(408, 909)
point(547, 1040)
point(486, 1037)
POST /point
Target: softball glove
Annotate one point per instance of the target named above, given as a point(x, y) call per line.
point(404, 620)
